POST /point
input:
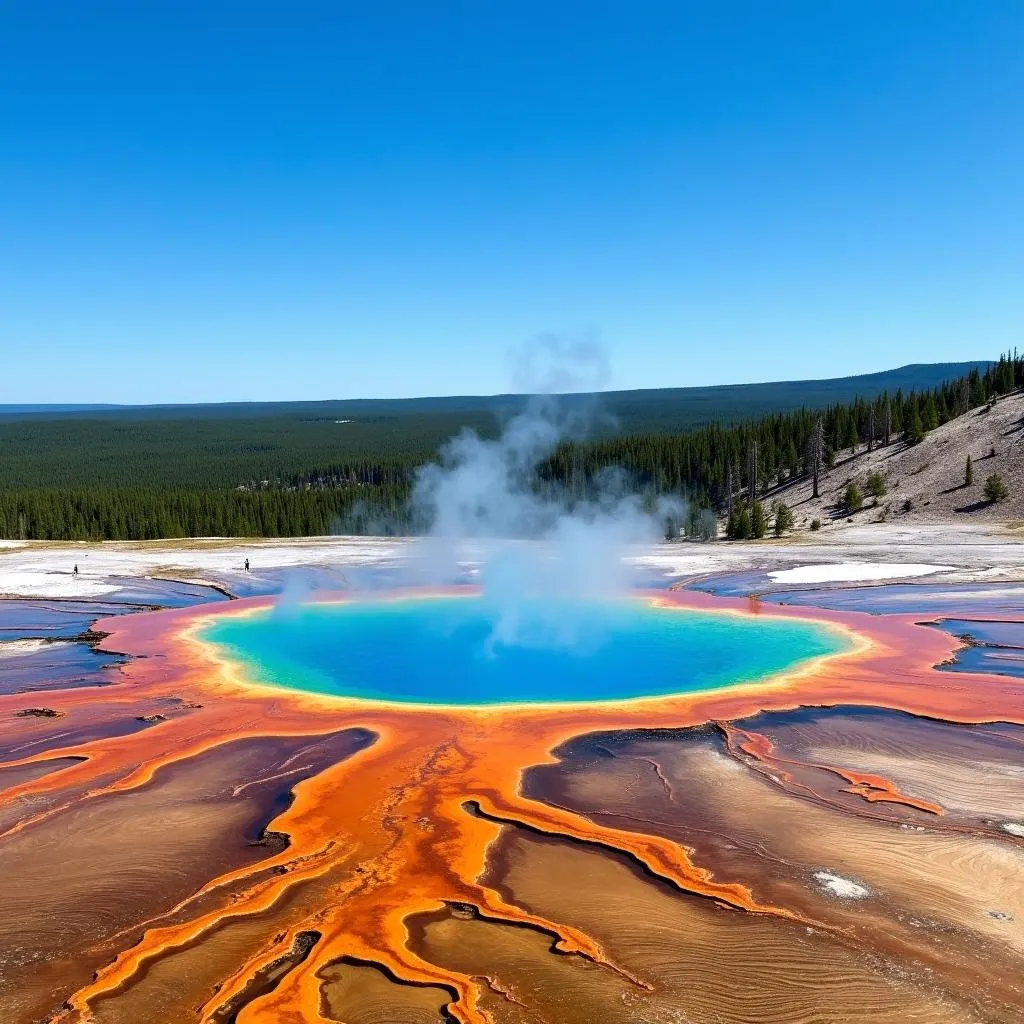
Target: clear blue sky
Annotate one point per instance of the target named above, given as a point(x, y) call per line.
point(224, 201)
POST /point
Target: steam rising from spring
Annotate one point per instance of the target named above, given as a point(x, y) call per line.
point(542, 552)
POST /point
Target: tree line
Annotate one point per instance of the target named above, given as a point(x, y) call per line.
point(719, 468)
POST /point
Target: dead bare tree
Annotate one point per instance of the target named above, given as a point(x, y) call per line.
point(728, 488)
point(816, 452)
point(871, 428)
point(888, 420)
point(752, 471)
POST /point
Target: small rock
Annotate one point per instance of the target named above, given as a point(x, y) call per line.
point(39, 713)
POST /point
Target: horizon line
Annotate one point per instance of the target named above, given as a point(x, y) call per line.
point(27, 407)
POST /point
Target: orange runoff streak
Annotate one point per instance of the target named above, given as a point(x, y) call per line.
point(872, 788)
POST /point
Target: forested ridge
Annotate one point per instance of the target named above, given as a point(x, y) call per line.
point(113, 478)
point(655, 410)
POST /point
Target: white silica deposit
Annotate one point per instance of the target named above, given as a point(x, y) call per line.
point(844, 888)
point(855, 572)
point(22, 648)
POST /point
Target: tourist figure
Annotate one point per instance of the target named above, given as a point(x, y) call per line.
point(247, 565)
point(74, 572)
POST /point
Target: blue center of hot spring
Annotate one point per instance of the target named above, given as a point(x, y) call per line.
point(469, 651)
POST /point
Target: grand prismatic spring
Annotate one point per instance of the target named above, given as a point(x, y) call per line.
point(675, 807)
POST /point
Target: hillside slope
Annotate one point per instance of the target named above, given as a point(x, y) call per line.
point(925, 482)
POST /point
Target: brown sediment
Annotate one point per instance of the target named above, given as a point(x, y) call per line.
point(929, 893)
point(11, 777)
point(705, 963)
point(92, 879)
point(871, 787)
point(266, 979)
point(360, 993)
point(383, 835)
point(662, 859)
point(972, 772)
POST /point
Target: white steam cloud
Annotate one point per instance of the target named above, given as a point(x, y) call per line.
point(544, 551)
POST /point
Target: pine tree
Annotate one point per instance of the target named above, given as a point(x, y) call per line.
point(996, 489)
point(792, 458)
point(758, 521)
point(853, 500)
point(783, 519)
point(850, 437)
point(977, 389)
point(740, 524)
point(915, 428)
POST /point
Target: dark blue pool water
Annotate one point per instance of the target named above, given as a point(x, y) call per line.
point(463, 650)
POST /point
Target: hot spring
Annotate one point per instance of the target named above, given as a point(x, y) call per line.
point(467, 651)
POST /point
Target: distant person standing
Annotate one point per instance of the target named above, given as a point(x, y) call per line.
point(74, 572)
point(246, 566)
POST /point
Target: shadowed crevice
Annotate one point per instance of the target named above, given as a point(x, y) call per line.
point(267, 978)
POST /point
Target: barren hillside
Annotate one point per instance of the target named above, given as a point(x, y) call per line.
point(925, 482)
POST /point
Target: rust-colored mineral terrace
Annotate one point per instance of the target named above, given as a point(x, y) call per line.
point(397, 882)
